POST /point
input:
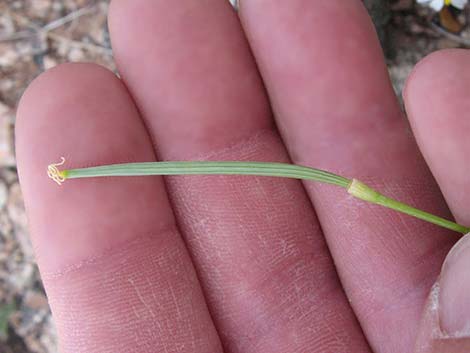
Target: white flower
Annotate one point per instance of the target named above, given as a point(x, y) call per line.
point(439, 4)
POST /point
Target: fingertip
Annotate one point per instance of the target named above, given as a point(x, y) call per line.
point(433, 335)
point(425, 78)
point(49, 104)
point(53, 90)
point(201, 86)
point(84, 113)
point(454, 301)
point(61, 76)
point(436, 101)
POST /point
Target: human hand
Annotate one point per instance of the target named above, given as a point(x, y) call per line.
point(253, 273)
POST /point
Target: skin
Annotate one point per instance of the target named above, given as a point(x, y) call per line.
point(246, 264)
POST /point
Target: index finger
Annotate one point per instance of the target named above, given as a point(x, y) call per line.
point(116, 271)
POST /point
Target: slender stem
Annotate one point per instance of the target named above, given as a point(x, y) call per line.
point(283, 170)
point(364, 192)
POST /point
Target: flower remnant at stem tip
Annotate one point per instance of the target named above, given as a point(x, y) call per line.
point(54, 173)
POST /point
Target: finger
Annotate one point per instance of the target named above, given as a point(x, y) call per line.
point(441, 126)
point(266, 272)
point(445, 327)
point(437, 104)
point(114, 266)
point(336, 110)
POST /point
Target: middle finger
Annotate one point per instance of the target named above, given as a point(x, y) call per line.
point(267, 274)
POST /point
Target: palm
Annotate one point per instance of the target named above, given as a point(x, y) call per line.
point(201, 263)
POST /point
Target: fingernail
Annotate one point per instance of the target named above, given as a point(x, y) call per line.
point(454, 301)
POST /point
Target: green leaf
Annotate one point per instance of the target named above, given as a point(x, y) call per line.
point(5, 312)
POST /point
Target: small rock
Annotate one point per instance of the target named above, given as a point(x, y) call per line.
point(402, 5)
point(445, 43)
point(8, 56)
point(3, 194)
point(7, 26)
point(6, 85)
point(398, 75)
point(8, 175)
point(48, 335)
point(17, 215)
point(16, 5)
point(40, 8)
point(4, 108)
point(49, 62)
point(5, 231)
point(57, 6)
point(7, 158)
point(35, 300)
point(76, 54)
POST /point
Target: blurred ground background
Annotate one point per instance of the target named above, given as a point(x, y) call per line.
point(36, 35)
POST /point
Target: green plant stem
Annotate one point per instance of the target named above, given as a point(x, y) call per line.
point(5, 312)
point(364, 192)
point(283, 170)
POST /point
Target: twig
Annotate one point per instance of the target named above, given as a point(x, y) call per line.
point(37, 30)
point(68, 18)
point(77, 44)
point(17, 36)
